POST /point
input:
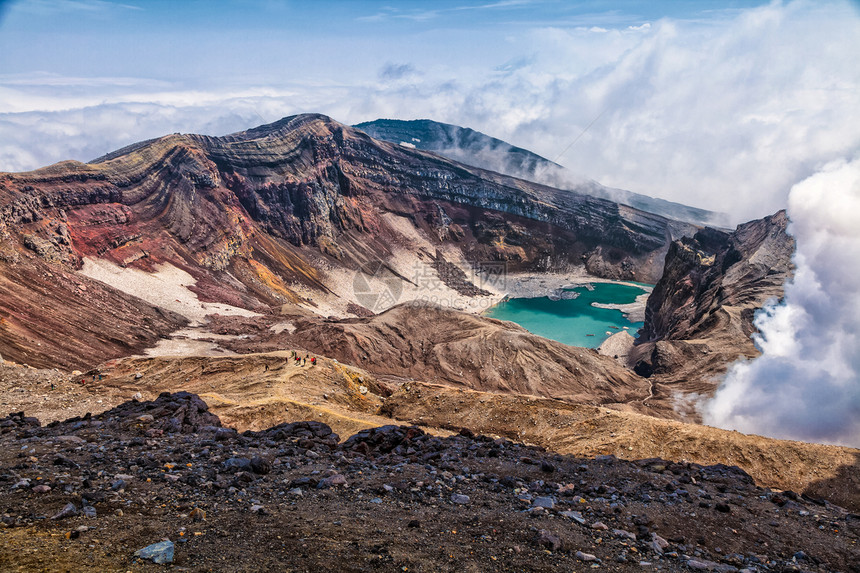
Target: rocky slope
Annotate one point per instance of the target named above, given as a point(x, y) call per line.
point(480, 150)
point(699, 318)
point(460, 144)
point(257, 391)
point(429, 343)
point(50, 316)
point(307, 177)
point(283, 213)
point(99, 492)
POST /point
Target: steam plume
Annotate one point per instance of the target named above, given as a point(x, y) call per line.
point(806, 384)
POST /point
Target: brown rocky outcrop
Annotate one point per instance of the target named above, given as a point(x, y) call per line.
point(52, 317)
point(714, 269)
point(433, 344)
point(699, 318)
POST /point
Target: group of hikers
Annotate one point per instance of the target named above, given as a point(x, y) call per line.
point(300, 361)
point(96, 377)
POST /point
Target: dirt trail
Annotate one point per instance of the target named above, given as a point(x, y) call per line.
point(650, 393)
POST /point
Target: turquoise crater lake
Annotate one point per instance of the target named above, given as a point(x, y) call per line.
point(572, 320)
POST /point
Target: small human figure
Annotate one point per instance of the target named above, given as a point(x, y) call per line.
point(313, 360)
point(267, 367)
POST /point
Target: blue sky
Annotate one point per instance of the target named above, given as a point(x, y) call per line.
point(197, 40)
point(719, 104)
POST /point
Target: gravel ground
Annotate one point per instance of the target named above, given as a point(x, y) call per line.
point(88, 493)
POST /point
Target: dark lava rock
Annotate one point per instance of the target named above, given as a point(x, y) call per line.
point(17, 421)
point(223, 434)
point(331, 481)
point(383, 440)
point(237, 464)
point(385, 488)
point(260, 465)
point(548, 539)
point(180, 413)
point(307, 434)
point(68, 511)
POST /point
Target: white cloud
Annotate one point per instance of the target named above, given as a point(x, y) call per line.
point(806, 384)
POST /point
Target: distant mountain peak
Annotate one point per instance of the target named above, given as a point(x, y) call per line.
point(472, 147)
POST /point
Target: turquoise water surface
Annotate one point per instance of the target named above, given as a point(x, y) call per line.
point(571, 321)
